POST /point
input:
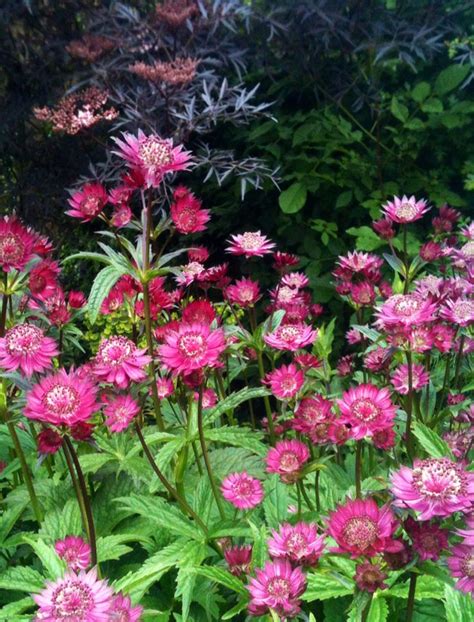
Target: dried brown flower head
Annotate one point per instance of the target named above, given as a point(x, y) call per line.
point(178, 72)
point(174, 13)
point(90, 47)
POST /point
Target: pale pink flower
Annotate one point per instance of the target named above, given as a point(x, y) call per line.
point(357, 264)
point(88, 202)
point(119, 412)
point(460, 311)
point(433, 487)
point(297, 280)
point(360, 527)
point(244, 293)
point(287, 459)
point(366, 409)
point(378, 360)
point(209, 398)
point(192, 347)
point(75, 598)
point(278, 587)
point(405, 210)
point(242, 490)
point(164, 387)
point(400, 378)
point(298, 543)
point(190, 273)
point(75, 552)
point(120, 362)
point(26, 347)
point(62, 399)
point(122, 610)
point(153, 156)
point(250, 244)
point(461, 565)
point(285, 382)
point(290, 337)
point(404, 310)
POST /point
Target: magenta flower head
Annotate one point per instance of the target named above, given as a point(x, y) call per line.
point(238, 559)
point(119, 412)
point(16, 244)
point(26, 347)
point(311, 412)
point(405, 210)
point(121, 610)
point(428, 539)
point(460, 311)
point(298, 543)
point(287, 459)
point(245, 293)
point(88, 202)
point(242, 490)
point(461, 565)
point(120, 362)
point(80, 597)
point(75, 552)
point(62, 399)
point(285, 382)
point(400, 378)
point(186, 212)
point(152, 156)
point(360, 527)
point(433, 487)
point(192, 347)
point(49, 441)
point(278, 586)
point(290, 337)
point(250, 244)
point(366, 409)
point(404, 310)
point(369, 577)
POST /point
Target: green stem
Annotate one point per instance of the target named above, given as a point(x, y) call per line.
point(77, 490)
point(266, 400)
point(316, 491)
point(459, 361)
point(205, 455)
point(358, 469)
point(411, 597)
point(85, 499)
point(305, 496)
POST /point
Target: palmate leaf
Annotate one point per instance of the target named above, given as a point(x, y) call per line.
point(276, 501)
point(61, 522)
point(186, 579)
point(113, 547)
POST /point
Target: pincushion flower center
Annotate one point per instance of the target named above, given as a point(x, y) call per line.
point(115, 351)
point(406, 211)
point(72, 600)
point(62, 400)
point(243, 488)
point(289, 461)
point(191, 345)
point(463, 310)
point(467, 565)
point(365, 410)
point(288, 383)
point(468, 249)
point(360, 531)
point(436, 480)
point(11, 248)
point(406, 305)
point(155, 153)
point(90, 205)
point(24, 339)
point(279, 588)
point(296, 543)
point(251, 241)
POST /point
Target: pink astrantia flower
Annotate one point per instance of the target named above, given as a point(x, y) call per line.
point(244, 293)
point(460, 311)
point(359, 264)
point(360, 527)
point(405, 210)
point(400, 378)
point(119, 412)
point(152, 156)
point(250, 244)
point(428, 539)
point(298, 543)
point(290, 337)
point(405, 310)
point(190, 273)
point(120, 362)
point(277, 586)
point(62, 399)
point(366, 409)
point(121, 610)
point(75, 597)
point(285, 382)
point(283, 261)
point(296, 280)
point(88, 202)
point(461, 565)
point(75, 552)
point(165, 387)
point(49, 441)
point(370, 577)
point(287, 459)
point(192, 347)
point(433, 487)
point(242, 490)
point(26, 347)
point(186, 212)
point(200, 311)
point(238, 559)
point(209, 398)
point(16, 244)
point(312, 411)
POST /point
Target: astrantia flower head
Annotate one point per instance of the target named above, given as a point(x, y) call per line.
point(356, 265)
point(384, 228)
point(378, 360)
point(366, 409)
point(298, 543)
point(244, 293)
point(297, 280)
point(290, 337)
point(192, 347)
point(278, 586)
point(360, 527)
point(285, 382)
point(200, 311)
point(461, 565)
point(120, 362)
point(75, 597)
point(242, 490)
point(164, 387)
point(405, 210)
point(400, 378)
point(250, 244)
point(405, 310)
point(122, 610)
point(283, 261)
point(16, 244)
point(460, 311)
point(75, 552)
point(26, 347)
point(370, 577)
point(428, 539)
point(153, 156)
point(238, 559)
point(119, 412)
point(186, 212)
point(88, 202)
point(433, 487)
point(43, 278)
point(62, 399)
point(287, 459)
point(311, 412)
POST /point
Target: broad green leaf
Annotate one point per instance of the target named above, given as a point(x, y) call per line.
point(431, 442)
point(344, 199)
point(399, 110)
point(459, 607)
point(223, 577)
point(426, 587)
point(432, 105)
point(10, 612)
point(450, 78)
point(62, 521)
point(113, 547)
point(322, 586)
point(366, 238)
point(421, 91)
point(53, 565)
point(8, 520)
point(103, 283)
point(293, 198)
point(21, 579)
point(228, 615)
point(378, 611)
point(275, 502)
point(238, 437)
point(232, 401)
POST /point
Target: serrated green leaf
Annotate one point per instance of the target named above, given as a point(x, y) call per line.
point(322, 586)
point(275, 502)
point(103, 283)
point(238, 437)
point(50, 560)
point(459, 607)
point(426, 587)
point(431, 442)
point(450, 78)
point(228, 615)
point(10, 612)
point(113, 547)
point(21, 579)
point(232, 401)
point(378, 611)
point(223, 577)
point(293, 198)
